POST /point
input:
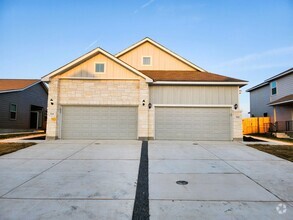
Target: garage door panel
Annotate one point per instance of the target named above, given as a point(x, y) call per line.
point(187, 123)
point(93, 122)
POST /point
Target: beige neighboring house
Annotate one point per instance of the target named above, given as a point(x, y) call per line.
point(144, 92)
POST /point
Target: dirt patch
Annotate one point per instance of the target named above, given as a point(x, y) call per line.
point(282, 151)
point(6, 148)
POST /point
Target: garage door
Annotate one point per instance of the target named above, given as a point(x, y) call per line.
point(179, 123)
point(92, 122)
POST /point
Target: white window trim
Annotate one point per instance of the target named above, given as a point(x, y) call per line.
point(151, 61)
point(13, 119)
point(272, 88)
point(100, 63)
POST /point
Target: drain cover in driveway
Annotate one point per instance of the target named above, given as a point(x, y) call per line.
point(195, 143)
point(181, 182)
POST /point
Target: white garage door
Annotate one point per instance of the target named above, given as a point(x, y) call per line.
point(189, 123)
point(92, 122)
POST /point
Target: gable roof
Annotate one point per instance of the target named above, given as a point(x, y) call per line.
point(285, 73)
point(16, 85)
point(87, 56)
point(147, 39)
point(267, 81)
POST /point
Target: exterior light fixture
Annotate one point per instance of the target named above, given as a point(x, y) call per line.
point(236, 106)
point(143, 102)
point(51, 101)
point(150, 105)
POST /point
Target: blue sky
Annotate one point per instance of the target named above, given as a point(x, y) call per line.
point(250, 40)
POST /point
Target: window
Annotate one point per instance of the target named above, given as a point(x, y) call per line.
point(12, 110)
point(100, 67)
point(274, 87)
point(146, 61)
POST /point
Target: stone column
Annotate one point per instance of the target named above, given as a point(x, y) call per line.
point(52, 115)
point(143, 110)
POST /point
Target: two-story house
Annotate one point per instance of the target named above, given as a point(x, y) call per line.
point(144, 92)
point(23, 105)
point(274, 98)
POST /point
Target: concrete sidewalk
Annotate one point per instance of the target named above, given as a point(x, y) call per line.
point(70, 180)
point(226, 180)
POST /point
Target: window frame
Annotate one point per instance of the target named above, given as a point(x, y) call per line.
point(13, 119)
point(271, 85)
point(96, 69)
point(151, 63)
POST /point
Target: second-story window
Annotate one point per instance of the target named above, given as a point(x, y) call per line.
point(146, 61)
point(274, 88)
point(100, 67)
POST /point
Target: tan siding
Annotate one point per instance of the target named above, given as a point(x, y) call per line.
point(194, 95)
point(160, 59)
point(112, 70)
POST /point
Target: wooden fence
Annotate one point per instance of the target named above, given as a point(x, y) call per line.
point(255, 125)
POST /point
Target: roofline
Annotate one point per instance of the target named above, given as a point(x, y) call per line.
point(80, 59)
point(162, 48)
point(278, 103)
point(198, 83)
point(257, 86)
point(267, 81)
point(280, 75)
point(19, 90)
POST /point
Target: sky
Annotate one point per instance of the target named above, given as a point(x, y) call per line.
point(245, 39)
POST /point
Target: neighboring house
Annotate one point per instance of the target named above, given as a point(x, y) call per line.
point(145, 91)
point(274, 98)
point(23, 104)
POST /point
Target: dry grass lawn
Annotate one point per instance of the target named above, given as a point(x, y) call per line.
point(282, 151)
point(6, 148)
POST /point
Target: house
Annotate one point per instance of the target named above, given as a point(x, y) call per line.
point(23, 104)
point(144, 92)
point(274, 98)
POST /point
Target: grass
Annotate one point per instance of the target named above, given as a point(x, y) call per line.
point(289, 140)
point(282, 151)
point(6, 148)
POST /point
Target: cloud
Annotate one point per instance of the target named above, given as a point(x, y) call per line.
point(144, 5)
point(147, 4)
point(265, 59)
point(92, 44)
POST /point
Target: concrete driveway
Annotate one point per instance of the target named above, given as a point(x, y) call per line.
point(97, 180)
point(70, 180)
point(226, 180)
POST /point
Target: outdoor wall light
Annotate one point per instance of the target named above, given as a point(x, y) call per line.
point(51, 101)
point(235, 106)
point(143, 102)
point(150, 105)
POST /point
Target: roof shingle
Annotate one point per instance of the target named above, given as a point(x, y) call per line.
point(285, 99)
point(195, 76)
point(16, 84)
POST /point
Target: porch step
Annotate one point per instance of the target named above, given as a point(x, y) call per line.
point(281, 135)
